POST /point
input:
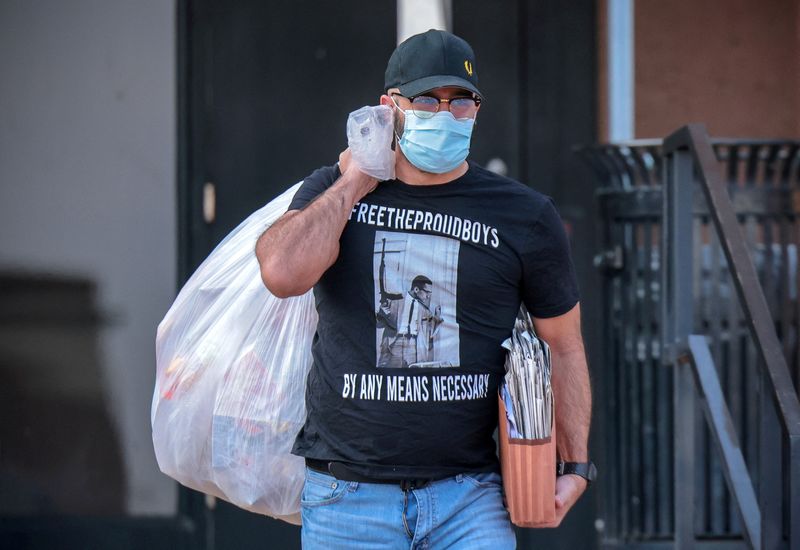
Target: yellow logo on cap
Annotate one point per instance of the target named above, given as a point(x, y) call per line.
point(468, 67)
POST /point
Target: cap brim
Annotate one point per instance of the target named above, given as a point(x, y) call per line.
point(428, 83)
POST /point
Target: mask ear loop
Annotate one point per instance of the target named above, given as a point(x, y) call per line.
point(395, 122)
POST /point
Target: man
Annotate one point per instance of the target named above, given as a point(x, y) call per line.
point(419, 323)
point(405, 458)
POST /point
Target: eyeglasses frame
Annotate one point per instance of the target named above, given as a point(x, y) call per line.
point(474, 98)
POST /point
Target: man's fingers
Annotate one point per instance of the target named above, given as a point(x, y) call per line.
point(344, 160)
point(568, 489)
point(563, 492)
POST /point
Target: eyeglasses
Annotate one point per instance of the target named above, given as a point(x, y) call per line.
point(425, 106)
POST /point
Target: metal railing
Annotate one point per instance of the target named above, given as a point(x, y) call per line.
point(770, 509)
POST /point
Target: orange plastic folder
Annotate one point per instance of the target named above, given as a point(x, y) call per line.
point(529, 475)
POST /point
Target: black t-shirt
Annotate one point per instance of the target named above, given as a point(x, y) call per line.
point(427, 285)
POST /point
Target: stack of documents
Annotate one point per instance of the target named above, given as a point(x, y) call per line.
point(526, 391)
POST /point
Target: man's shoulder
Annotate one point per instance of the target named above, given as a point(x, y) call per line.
point(508, 188)
point(313, 185)
point(324, 176)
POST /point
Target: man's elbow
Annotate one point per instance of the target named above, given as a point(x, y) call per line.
point(279, 283)
point(273, 271)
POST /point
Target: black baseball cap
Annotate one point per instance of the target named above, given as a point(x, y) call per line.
point(431, 60)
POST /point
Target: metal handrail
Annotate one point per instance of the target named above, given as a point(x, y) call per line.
point(754, 305)
point(694, 141)
point(724, 434)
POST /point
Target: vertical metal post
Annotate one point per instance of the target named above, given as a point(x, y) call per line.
point(677, 323)
point(684, 402)
point(770, 489)
point(792, 468)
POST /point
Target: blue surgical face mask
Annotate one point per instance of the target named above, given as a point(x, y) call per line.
point(437, 144)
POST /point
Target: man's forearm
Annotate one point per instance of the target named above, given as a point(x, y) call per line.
point(302, 245)
point(573, 402)
point(570, 379)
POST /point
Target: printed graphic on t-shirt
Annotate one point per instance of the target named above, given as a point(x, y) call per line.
point(415, 300)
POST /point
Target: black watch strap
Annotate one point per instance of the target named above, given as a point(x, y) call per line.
point(587, 470)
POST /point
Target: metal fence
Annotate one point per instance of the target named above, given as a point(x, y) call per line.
point(764, 183)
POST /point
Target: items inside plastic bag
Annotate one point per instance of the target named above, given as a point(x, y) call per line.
point(232, 361)
point(369, 136)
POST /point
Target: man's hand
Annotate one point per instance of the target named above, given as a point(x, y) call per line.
point(346, 163)
point(568, 489)
point(344, 160)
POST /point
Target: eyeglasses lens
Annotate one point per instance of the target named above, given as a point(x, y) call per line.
point(463, 107)
point(426, 106)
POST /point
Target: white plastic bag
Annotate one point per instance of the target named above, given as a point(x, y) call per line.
point(232, 361)
point(369, 136)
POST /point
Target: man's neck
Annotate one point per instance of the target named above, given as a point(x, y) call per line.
point(410, 174)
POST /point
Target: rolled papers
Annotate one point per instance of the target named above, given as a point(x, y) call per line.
point(529, 401)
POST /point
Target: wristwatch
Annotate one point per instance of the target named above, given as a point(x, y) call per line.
point(587, 470)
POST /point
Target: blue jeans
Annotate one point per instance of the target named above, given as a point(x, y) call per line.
point(464, 512)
